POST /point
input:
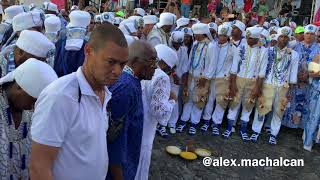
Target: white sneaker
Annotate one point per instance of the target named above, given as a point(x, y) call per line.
point(307, 148)
point(172, 130)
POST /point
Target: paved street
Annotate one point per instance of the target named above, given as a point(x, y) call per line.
point(165, 166)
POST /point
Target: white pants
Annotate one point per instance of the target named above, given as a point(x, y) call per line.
point(208, 109)
point(275, 121)
point(218, 114)
point(175, 112)
point(190, 110)
point(245, 114)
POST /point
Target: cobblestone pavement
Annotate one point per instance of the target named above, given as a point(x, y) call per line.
point(167, 167)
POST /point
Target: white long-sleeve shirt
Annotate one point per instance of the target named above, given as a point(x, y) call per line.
point(226, 55)
point(157, 92)
point(252, 64)
point(202, 59)
point(183, 65)
point(284, 70)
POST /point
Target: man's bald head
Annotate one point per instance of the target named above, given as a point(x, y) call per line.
point(142, 57)
point(141, 50)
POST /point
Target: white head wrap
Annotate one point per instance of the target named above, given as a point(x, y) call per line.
point(224, 30)
point(27, 20)
point(177, 36)
point(40, 45)
point(168, 55)
point(182, 22)
point(32, 76)
point(166, 19)
point(150, 19)
point(11, 11)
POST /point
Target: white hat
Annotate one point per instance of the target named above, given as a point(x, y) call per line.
point(177, 36)
point(50, 7)
point(52, 24)
point(265, 33)
point(97, 18)
point(79, 19)
point(138, 20)
point(201, 28)
point(35, 43)
point(128, 28)
point(224, 30)
point(118, 20)
point(27, 20)
point(32, 76)
point(213, 26)
point(182, 22)
point(274, 21)
point(240, 25)
point(310, 29)
point(188, 31)
point(150, 19)
point(253, 32)
point(11, 11)
point(286, 31)
point(140, 11)
point(273, 28)
point(166, 19)
point(107, 17)
point(168, 55)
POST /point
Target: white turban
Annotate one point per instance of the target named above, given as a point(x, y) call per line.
point(286, 31)
point(32, 76)
point(80, 19)
point(140, 11)
point(201, 28)
point(253, 32)
point(107, 17)
point(182, 22)
point(166, 19)
point(240, 25)
point(224, 30)
point(51, 7)
point(168, 55)
point(27, 20)
point(11, 11)
point(150, 19)
point(310, 29)
point(177, 36)
point(213, 26)
point(35, 43)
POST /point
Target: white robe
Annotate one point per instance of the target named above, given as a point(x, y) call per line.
point(157, 109)
point(182, 68)
point(203, 67)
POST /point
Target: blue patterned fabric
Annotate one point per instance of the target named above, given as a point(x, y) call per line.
point(15, 143)
point(312, 123)
point(125, 149)
point(67, 61)
point(299, 103)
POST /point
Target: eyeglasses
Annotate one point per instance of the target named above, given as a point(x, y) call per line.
point(152, 63)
